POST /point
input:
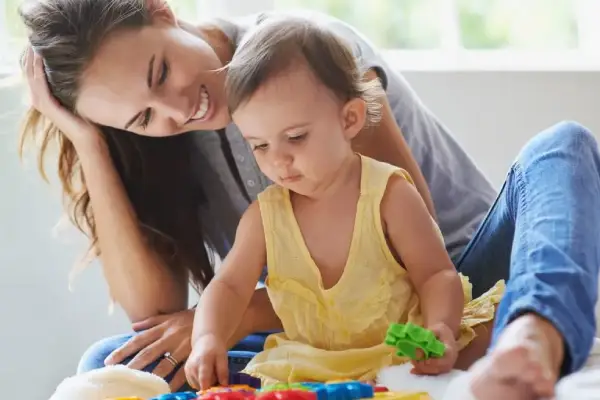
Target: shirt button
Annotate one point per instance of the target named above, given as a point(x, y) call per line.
point(241, 158)
point(251, 183)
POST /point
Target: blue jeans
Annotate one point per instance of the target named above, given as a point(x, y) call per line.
point(239, 356)
point(541, 235)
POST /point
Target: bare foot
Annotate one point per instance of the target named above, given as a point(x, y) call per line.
point(524, 365)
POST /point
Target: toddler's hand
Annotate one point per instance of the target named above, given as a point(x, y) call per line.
point(436, 366)
point(208, 363)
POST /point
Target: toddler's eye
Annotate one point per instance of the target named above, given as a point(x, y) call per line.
point(297, 138)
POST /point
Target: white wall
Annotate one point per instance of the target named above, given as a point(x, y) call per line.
point(44, 328)
point(493, 114)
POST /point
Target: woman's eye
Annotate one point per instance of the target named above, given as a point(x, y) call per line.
point(259, 147)
point(163, 73)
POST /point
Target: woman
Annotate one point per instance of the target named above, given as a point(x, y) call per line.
point(141, 115)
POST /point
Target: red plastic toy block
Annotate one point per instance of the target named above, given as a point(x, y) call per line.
point(224, 395)
point(293, 394)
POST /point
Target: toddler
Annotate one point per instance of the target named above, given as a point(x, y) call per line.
point(349, 243)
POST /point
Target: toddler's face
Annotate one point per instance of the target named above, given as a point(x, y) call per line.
point(298, 131)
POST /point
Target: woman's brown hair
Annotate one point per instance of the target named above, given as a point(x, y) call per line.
point(156, 172)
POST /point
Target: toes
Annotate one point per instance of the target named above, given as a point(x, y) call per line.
point(543, 386)
point(511, 363)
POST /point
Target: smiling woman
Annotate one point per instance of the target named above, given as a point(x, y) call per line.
point(158, 64)
point(170, 70)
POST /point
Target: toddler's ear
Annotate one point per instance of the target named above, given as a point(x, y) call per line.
point(160, 10)
point(354, 115)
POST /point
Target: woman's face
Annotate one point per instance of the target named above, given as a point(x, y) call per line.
point(159, 80)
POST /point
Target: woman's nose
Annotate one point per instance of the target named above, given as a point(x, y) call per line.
point(179, 108)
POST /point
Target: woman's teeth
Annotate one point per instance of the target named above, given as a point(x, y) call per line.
point(204, 103)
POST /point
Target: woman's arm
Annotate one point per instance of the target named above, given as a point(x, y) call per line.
point(137, 278)
point(385, 142)
point(419, 245)
point(225, 300)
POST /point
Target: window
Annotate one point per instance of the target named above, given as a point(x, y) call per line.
point(474, 33)
point(557, 33)
point(12, 32)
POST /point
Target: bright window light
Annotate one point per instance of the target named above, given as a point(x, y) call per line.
point(422, 34)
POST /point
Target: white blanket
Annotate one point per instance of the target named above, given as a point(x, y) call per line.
point(583, 385)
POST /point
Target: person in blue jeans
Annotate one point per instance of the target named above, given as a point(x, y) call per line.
point(136, 97)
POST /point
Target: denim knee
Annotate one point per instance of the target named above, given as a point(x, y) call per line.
point(94, 356)
point(567, 139)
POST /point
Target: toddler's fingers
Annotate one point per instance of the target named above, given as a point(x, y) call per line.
point(417, 368)
point(222, 368)
point(206, 375)
point(420, 355)
point(427, 367)
point(191, 373)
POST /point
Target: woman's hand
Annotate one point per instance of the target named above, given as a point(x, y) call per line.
point(208, 363)
point(79, 131)
point(436, 366)
point(158, 336)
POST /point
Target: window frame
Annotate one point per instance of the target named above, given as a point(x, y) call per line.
point(450, 57)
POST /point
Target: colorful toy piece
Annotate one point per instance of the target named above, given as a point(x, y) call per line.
point(233, 392)
point(289, 386)
point(339, 390)
point(349, 391)
point(228, 389)
point(408, 338)
point(334, 390)
point(401, 396)
point(290, 394)
point(125, 398)
point(177, 396)
point(226, 396)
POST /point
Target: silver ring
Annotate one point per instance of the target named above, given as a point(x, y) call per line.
point(171, 359)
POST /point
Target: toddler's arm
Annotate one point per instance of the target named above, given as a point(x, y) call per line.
point(226, 298)
point(417, 242)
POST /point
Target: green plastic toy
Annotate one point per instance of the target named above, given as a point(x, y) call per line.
point(284, 386)
point(409, 337)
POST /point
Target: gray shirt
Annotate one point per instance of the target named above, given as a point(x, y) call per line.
point(461, 194)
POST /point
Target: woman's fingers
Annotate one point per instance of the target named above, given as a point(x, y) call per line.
point(178, 381)
point(133, 346)
point(149, 322)
point(150, 354)
point(180, 355)
point(28, 63)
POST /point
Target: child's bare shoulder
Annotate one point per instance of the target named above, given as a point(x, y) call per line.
point(251, 221)
point(401, 199)
point(399, 189)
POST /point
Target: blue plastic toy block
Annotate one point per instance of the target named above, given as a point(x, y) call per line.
point(177, 396)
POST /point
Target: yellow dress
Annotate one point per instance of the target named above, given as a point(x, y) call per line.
point(338, 333)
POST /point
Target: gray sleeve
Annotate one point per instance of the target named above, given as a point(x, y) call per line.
point(366, 54)
point(461, 193)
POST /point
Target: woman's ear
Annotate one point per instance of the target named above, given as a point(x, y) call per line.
point(160, 10)
point(354, 115)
